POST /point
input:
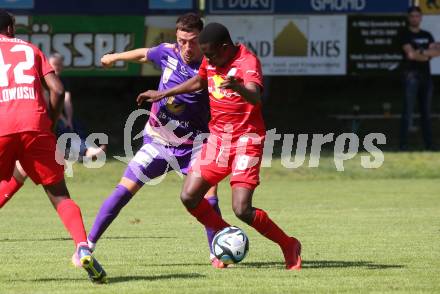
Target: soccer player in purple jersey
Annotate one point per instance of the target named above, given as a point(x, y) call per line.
point(164, 148)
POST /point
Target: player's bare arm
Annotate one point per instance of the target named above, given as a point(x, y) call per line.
point(56, 98)
point(68, 108)
point(433, 51)
point(194, 84)
point(251, 92)
point(414, 55)
point(137, 55)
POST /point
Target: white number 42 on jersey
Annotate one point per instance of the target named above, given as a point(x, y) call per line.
point(19, 76)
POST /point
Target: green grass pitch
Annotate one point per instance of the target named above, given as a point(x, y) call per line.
point(361, 230)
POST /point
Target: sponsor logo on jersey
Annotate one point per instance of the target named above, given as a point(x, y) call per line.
point(173, 107)
point(217, 92)
point(166, 74)
point(172, 62)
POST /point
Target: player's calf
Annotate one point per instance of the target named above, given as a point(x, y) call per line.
point(8, 189)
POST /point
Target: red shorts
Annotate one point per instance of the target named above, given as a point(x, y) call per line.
point(215, 162)
point(36, 153)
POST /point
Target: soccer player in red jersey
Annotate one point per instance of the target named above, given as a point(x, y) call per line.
point(233, 77)
point(25, 131)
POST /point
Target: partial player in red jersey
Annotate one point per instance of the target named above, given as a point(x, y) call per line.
point(25, 131)
point(8, 188)
point(233, 77)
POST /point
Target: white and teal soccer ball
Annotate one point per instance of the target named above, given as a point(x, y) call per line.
point(230, 245)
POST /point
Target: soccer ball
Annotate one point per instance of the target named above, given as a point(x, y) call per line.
point(230, 245)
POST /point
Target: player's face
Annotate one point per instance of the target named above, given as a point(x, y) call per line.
point(189, 45)
point(57, 64)
point(214, 54)
point(414, 19)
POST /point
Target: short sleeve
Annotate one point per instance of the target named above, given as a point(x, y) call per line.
point(154, 54)
point(202, 69)
point(43, 65)
point(252, 71)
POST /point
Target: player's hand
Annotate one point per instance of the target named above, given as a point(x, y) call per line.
point(231, 83)
point(108, 60)
point(149, 96)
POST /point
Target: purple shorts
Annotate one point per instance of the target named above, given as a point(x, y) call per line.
point(154, 160)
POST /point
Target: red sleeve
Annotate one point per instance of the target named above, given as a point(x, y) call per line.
point(252, 71)
point(42, 64)
point(202, 69)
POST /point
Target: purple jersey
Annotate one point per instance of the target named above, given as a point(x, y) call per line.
point(179, 119)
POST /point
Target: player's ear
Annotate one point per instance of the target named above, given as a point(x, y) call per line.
point(11, 30)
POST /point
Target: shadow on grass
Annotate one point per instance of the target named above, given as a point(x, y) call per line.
point(122, 279)
point(43, 280)
point(307, 264)
point(312, 264)
point(69, 239)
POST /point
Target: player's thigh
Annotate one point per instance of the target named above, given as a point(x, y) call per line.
point(194, 188)
point(19, 172)
point(38, 158)
point(246, 168)
point(186, 157)
point(8, 155)
point(148, 164)
point(212, 164)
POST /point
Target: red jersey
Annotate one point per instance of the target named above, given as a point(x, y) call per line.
point(227, 106)
point(22, 104)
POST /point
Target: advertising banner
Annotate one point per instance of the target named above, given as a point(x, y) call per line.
point(375, 45)
point(430, 6)
point(17, 4)
point(292, 44)
point(83, 40)
point(101, 7)
point(306, 6)
point(240, 7)
point(158, 29)
point(171, 4)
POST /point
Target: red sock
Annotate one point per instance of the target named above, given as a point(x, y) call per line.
point(70, 215)
point(266, 227)
point(8, 189)
point(207, 216)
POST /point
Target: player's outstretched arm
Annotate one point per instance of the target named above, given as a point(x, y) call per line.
point(194, 84)
point(56, 99)
point(137, 55)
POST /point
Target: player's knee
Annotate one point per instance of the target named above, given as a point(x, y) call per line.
point(187, 199)
point(243, 212)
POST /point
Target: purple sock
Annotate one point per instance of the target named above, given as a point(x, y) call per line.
point(213, 201)
point(109, 211)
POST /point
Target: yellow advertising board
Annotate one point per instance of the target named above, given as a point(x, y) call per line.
point(430, 6)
